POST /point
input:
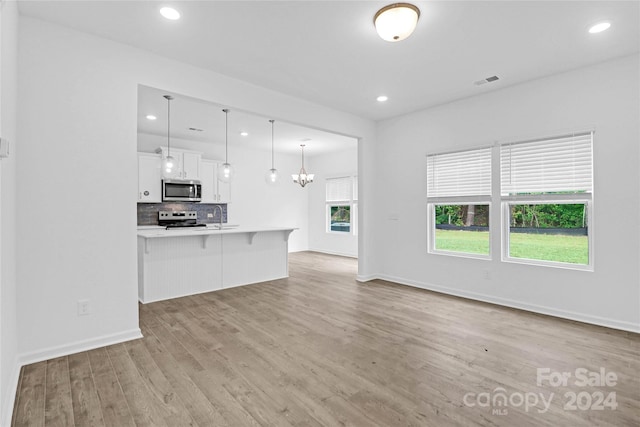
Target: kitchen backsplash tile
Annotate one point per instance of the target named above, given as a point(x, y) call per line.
point(148, 212)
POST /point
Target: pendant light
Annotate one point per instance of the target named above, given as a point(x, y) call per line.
point(169, 164)
point(396, 21)
point(225, 172)
point(272, 174)
point(303, 178)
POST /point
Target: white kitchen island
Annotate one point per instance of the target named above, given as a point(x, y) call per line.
point(179, 262)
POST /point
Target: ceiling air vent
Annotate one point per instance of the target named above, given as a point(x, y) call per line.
point(487, 80)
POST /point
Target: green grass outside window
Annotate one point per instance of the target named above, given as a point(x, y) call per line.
point(544, 247)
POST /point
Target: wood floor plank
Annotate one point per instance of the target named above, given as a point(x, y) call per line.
point(320, 349)
point(253, 399)
point(157, 384)
point(86, 404)
point(58, 404)
point(30, 401)
point(146, 411)
point(15, 403)
point(201, 409)
point(209, 382)
point(113, 404)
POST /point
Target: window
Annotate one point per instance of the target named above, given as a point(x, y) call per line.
point(341, 198)
point(458, 202)
point(546, 190)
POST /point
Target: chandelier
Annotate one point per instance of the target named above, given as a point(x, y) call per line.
point(302, 178)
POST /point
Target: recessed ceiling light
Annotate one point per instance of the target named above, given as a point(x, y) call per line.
point(244, 133)
point(151, 117)
point(599, 27)
point(382, 98)
point(170, 13)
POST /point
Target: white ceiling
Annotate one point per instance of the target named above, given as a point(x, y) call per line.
point(328, 51)
point(187, 112)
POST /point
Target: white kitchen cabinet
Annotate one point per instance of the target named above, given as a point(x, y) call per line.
point(208, 181)
point(149, 178)
point(188, 162)
point(190, 165)
point(213, 190)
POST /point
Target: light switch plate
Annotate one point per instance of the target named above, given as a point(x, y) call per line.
point(4, 148)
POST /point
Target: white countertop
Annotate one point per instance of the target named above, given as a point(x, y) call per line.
point(158, 231)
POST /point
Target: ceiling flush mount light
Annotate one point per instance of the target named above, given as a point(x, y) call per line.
point(396, 21)
point(225, 172)
point(170, 13)
point(169, 164)
point(382, 98)
point(302, 178)
point(272, 174)
point(151, 117)
point(599, 27)
point(244, 133)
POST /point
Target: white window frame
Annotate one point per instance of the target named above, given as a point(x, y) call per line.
point(432, 202)
point(328, 220)
point(578, 197)
point(431, 224)
point(352, 202)
point(550, 200)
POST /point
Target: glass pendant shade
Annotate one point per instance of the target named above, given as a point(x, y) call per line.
point(396, 21)
point(272, 176)
point(226, 172)
point(169, 163)
point(169, 167)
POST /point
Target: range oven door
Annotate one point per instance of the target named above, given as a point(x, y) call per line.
point(181, 191)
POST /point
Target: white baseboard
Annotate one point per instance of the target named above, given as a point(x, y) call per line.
point(334, 253)
point(368, 277)
point(9, 399)
point(549, 311)
point(78, 346)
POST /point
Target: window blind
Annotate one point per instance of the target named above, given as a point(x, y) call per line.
point(339, 189)
point(463, 173)
point(554, 165)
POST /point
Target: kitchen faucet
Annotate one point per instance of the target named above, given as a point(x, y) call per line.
point(214, 214)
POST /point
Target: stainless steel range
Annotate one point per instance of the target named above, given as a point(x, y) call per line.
point(179, 219)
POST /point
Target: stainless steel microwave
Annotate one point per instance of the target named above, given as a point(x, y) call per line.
point(181, 191)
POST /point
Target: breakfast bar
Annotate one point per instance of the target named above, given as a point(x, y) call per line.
point(180, 262)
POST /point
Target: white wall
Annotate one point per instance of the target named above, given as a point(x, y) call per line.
point(253, 201)
point(77, 127)
point(604, 97)
point(331, 165)
point(9, 367)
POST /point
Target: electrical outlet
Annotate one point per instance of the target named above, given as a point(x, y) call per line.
point(209, 215)
point(84, 307)
point(486, 274)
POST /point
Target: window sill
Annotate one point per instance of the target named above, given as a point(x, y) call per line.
point(460, 254)
point(541, 263)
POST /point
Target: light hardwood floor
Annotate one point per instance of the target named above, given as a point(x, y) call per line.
point(320, 349)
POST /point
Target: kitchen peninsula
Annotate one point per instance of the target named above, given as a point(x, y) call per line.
point(179, 262)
